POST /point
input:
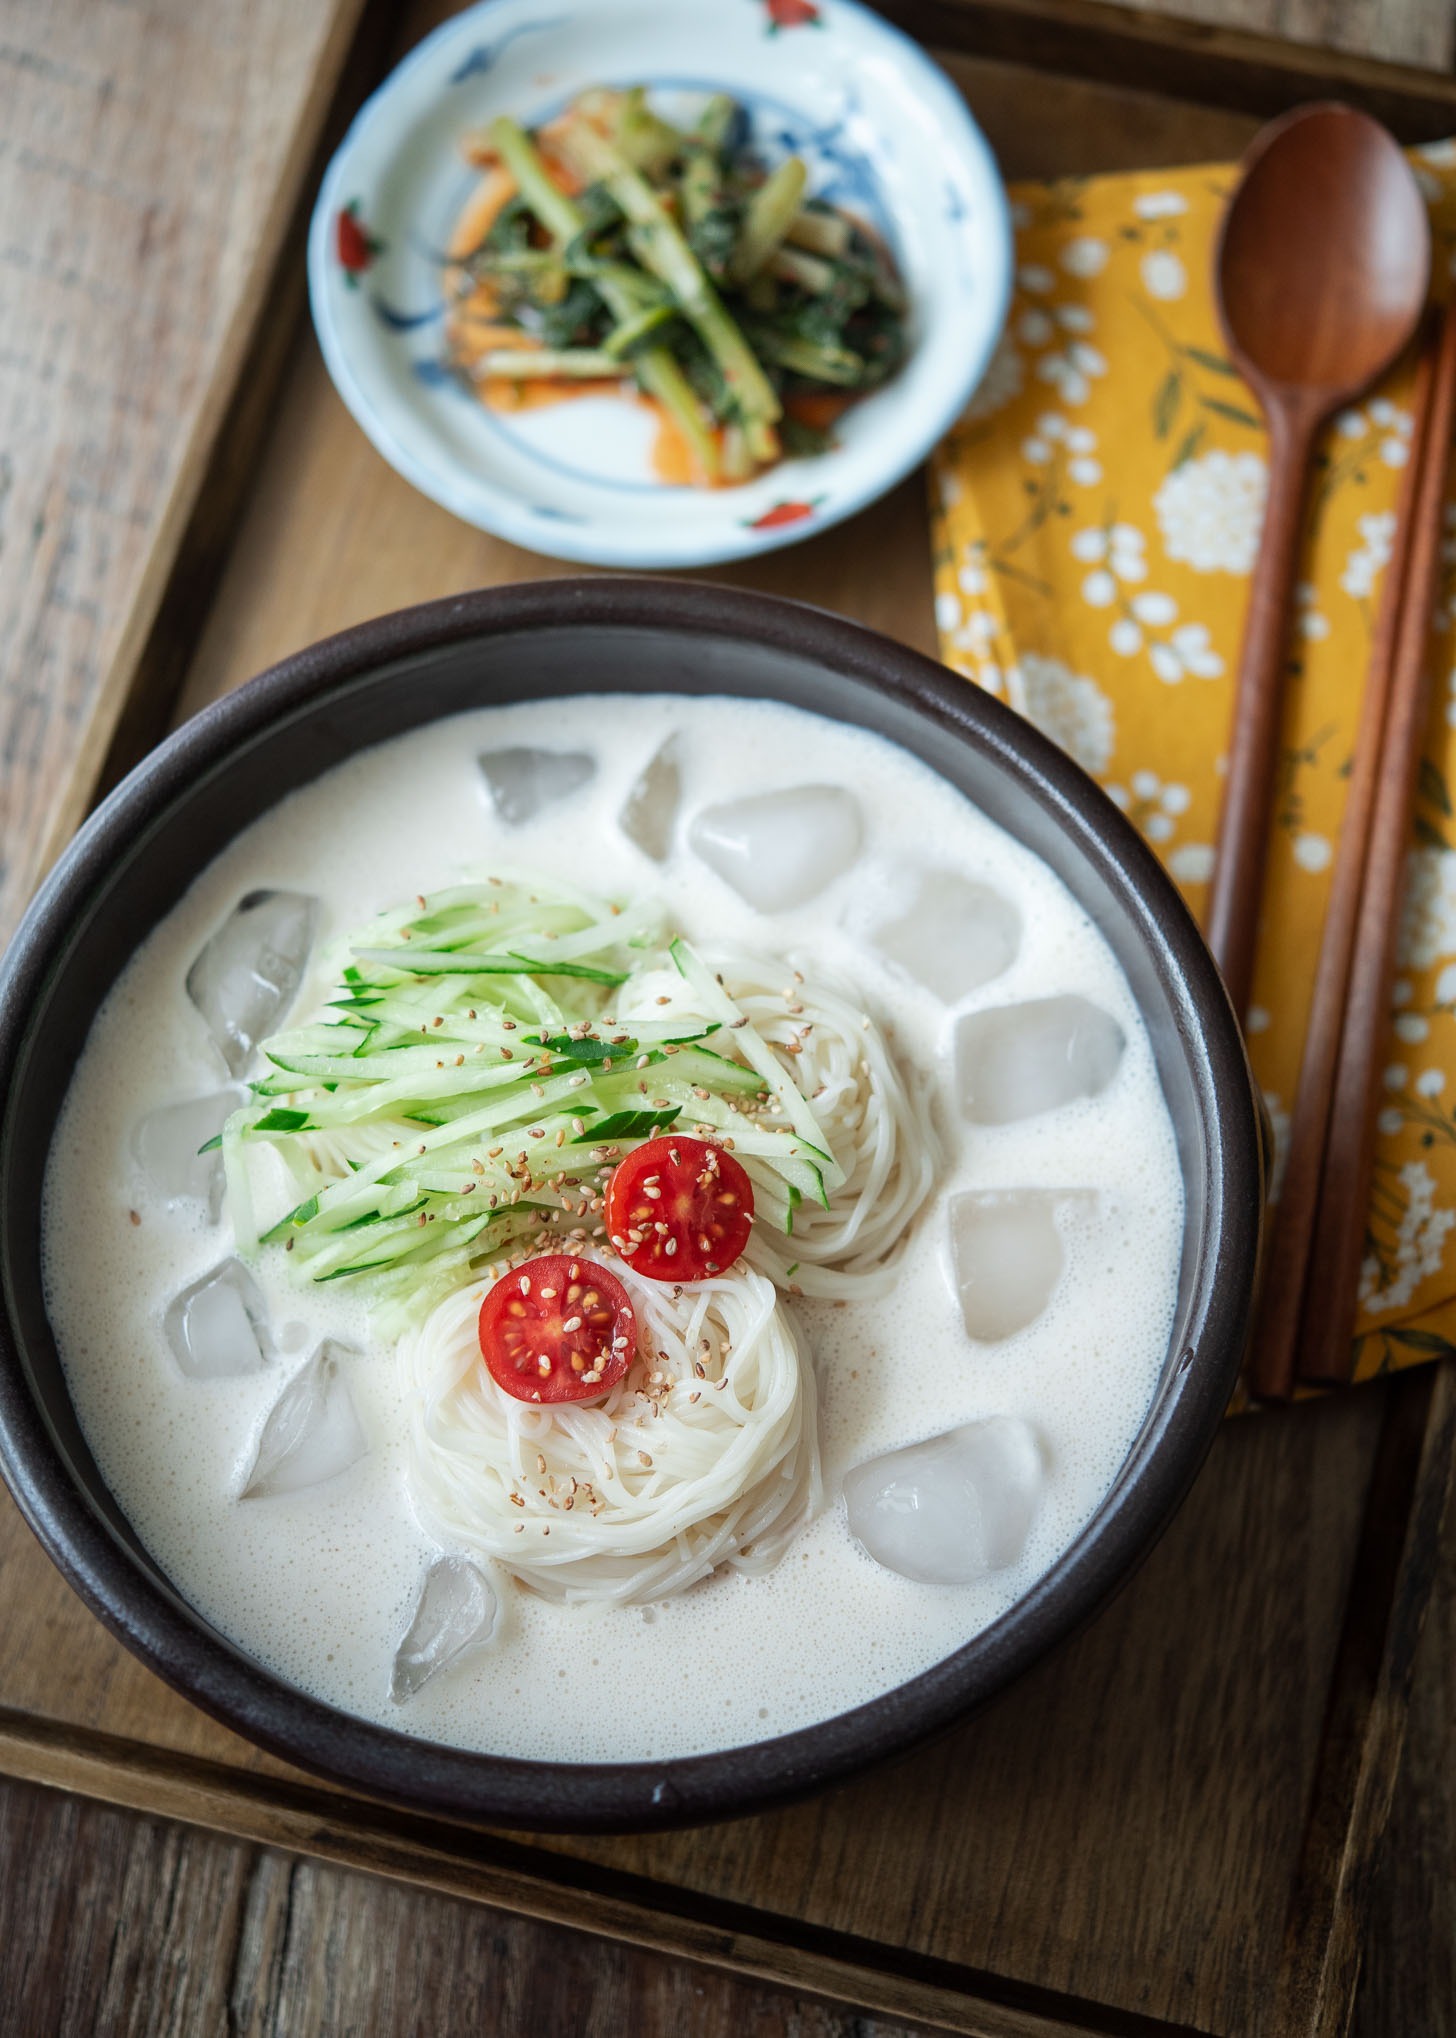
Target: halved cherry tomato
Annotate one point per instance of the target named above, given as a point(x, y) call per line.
point(557, 1329)
point(679, 1209)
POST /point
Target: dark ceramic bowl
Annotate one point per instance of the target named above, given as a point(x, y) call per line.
point(136, 856)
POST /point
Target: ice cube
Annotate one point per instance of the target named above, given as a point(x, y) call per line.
point(1008, 1254)
point(1015, 1061)
point(166, 1144)
point(248, 975)
point(951, 1509)
point(521, 780)
point(456, 1611)
point(650, 814)
point(952, 936)
point(778, 850)
point(219, 1326)
point(312, 1431)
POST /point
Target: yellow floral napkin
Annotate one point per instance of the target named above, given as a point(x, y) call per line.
point(1097, 516)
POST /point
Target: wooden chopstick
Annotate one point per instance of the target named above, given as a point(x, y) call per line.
point(1285, 1274)
point(1325, 1352)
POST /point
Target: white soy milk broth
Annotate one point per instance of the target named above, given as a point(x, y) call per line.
point(318, 1585)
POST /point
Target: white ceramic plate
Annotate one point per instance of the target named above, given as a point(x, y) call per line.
point(884, 134)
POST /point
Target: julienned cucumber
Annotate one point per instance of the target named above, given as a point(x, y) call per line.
point(462, 1093)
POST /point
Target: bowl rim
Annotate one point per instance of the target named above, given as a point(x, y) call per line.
point(594, 544)
point(432, 1777)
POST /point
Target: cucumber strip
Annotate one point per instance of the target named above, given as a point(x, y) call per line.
point(447, 963)
point(710, 1071)
point(298, 1215)
point(384, 1166)
point(399, 1099)
point(391, 1067)
point(407, 1256)
point(627, 1125)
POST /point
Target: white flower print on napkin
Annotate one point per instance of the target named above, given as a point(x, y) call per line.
point(1211, 510)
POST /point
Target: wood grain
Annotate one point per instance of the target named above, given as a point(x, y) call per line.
point(122, 1927)
point(1107, 1850)
point(149, 160)
point(1200, 61)
point(1417, 32)
point(1365, 1726)
point(1408, 1974)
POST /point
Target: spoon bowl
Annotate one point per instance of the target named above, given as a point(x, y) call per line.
point(1321, 273)
point(1325, 256)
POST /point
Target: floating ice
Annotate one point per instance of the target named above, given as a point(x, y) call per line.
point(522, 780)
point(456, 1611)
point(1007, 1251)
point(166, 1144)
point(219, 1326)
point(779, 849)
point(248, 975)
point(1015, 1061)
point(947, 1511)
point(312, 1431)
point(952, 936)
point(650, 814)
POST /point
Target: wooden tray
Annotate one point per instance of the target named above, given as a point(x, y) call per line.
point(1168, 1828)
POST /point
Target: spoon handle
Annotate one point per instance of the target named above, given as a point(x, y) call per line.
point(1248, 794)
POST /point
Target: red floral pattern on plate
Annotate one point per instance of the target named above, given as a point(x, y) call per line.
point(792, 14)
point(784, 513)
point(355, 245)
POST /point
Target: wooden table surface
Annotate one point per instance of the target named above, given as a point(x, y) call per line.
point(136, 137)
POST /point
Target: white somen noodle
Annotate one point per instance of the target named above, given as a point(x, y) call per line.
point(877, 1126)
point(706, 1454)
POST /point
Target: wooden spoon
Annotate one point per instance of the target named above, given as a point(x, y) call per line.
point(1321, 272)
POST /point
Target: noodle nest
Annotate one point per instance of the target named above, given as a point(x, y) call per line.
point(706, 1454)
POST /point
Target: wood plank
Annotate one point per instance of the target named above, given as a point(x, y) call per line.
point(1365, 1725)
point(150, 159)
point(1420, 33)
point(109, 1924)
point(1192, 60)
point(1123, 1829)
point(1408, 1976)
point(145, 1929)
point(492, 1870)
